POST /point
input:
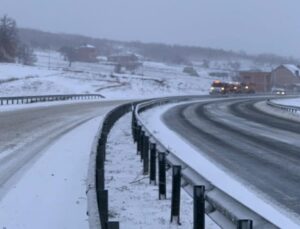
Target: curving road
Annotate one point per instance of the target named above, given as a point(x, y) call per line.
point(260, 150)
point(26, 133)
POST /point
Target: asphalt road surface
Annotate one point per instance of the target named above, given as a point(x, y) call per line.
point(26, 133)
point(260, 150)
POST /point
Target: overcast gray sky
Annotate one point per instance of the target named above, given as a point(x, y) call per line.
point(251, 25)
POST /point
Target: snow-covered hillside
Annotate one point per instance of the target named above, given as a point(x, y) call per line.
point(52, 75)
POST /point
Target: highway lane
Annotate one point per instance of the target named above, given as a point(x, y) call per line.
point(26, 133)
point(260, 150)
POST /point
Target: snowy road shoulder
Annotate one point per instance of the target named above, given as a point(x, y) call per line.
point(52, 192)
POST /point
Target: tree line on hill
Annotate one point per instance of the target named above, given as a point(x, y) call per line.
point(11, 47)
point(159, 52)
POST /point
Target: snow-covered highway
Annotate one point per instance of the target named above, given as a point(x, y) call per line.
point(25, 133)
point(260, 150)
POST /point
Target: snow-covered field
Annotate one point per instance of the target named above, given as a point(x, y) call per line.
point(52, 75)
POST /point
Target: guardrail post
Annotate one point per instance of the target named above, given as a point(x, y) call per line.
point(142, 144)
point(133, 125)
point(146, 155)
point(113, 225)
point(136, 127)
point(103, 207)
point(152, 163)
point(176, 186)
point(244, 224)
point(162, 176)
point(199, 207)
point(138, 135)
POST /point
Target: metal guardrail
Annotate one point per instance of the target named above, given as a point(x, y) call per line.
point(223, 209)
point(98, 219)
point(288, 108)
point(97, 195)
point(46, 98)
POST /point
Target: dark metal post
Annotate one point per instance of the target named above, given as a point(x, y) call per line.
point(134, 125)
point(162, 176)
point(176, 186)
point(135, 130)
point(142, 142)
point(199, 207)
point(113, 225)
point(153, 163)
point(244, 224)
point(146, 155)
point(139, 130)
point(103, 207)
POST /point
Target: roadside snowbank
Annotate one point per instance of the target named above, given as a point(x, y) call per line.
point(51, 194)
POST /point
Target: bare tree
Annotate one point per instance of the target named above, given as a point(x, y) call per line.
point(69, 53)
point(26, 55)
point(8, 39)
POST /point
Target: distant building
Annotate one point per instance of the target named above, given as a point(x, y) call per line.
point(260, 80)
point(190, 71)
point(123, 59)
point(86, 53)
point(286, 76)
point(128, 61)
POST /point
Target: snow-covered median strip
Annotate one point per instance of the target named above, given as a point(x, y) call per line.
point(132, 200)
point(289, 102)
point(264, 107)
point(52, 192)
point(212, 172)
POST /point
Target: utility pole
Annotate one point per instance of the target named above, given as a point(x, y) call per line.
point(49, 60)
